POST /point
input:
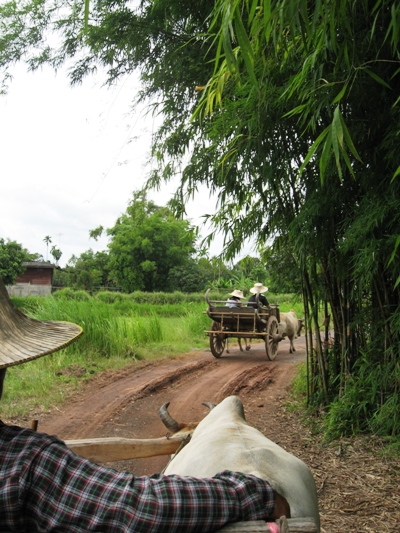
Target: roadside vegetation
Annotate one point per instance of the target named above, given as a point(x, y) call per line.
point(119, 330)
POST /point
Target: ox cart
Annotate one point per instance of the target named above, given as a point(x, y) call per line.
point(244, 323)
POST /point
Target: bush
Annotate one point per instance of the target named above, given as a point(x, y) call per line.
point(70, 294)
point(110, 297)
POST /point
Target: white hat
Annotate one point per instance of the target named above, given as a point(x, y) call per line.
point(23, 339)
point(237, 294)
point(258, 288)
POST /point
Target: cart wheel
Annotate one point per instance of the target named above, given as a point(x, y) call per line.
point(217, 341)
point(271, 344)
point(244, 344)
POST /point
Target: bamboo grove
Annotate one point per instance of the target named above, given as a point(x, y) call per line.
point(323, 82)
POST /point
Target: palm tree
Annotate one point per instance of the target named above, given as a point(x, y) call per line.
point(47, 240)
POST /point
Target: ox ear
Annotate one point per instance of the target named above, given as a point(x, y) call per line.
point(209, 405)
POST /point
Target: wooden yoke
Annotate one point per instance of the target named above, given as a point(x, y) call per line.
point(104, 450)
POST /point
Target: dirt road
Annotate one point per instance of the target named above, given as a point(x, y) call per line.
point(358, 489)
point(126, 404)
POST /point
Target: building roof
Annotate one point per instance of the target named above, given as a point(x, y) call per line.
point(38, 264)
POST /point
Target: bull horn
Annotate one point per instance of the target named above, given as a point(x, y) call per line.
point(171, 424)
point(209, 405)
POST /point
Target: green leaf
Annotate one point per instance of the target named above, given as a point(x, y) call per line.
point(313, 149)
point(395, 174)
point(325, 156)
point(337, 138)
point(376, 78)
point(393, 255)
point(349, 141)
point(339, 96)
point(245, 46)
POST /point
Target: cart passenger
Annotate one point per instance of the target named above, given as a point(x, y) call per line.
point(44, 486)
point(258, 289)
point(234, 299)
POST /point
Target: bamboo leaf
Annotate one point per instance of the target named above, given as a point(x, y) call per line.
point(376, 78)
point(393, 255)
point(348, 140)
point(348, 162)
point(337, 125)
point(313, 149)
point(295, 111)
point(337, 138)
point(326, 153)
point(339, 96)
point(229, 55)
point(267, 19)
point(245, 46)
point(395, 174)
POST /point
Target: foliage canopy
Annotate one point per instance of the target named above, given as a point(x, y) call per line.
point(12, 255)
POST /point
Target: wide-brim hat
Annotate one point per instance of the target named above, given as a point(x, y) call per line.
point(258, 288)
point(237, 294)
point(24, 339)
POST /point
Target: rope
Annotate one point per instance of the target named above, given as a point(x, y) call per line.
point(183, 443)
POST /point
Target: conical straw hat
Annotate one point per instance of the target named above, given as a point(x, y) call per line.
point(23, 339)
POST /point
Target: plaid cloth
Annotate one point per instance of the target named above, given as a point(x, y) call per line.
point(45, 487)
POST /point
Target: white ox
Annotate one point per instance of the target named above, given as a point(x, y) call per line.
point(290, 326)
point(224, 441)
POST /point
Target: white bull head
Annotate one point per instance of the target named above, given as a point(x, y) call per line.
point(224, 441)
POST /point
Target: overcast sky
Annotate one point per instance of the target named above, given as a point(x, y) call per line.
point(70, 160)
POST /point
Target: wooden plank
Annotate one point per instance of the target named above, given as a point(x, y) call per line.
point(294, 525)
point(256, 526)
point(104, 450)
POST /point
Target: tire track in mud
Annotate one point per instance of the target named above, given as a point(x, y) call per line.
point(99, 402)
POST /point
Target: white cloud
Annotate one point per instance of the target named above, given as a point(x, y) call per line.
point(70, 160)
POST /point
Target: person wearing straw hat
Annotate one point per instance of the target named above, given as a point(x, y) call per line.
point(257, 295)
point(44, 486)
point(234, 299)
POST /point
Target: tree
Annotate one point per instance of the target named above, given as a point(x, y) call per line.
point(90, 271)
point(188, 277)
point(12, 255)
point(96, 233)
point(56, 253)
point(47, 240)
point(147, 241)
